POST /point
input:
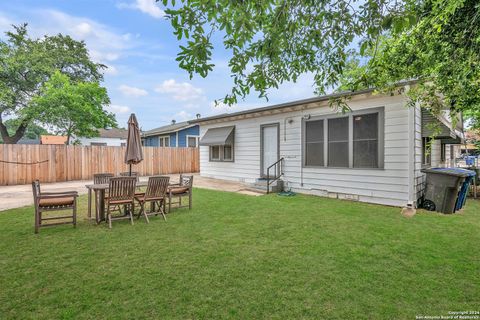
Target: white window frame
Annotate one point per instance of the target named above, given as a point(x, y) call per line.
point(196, 141)
point(350, 115)
point(221, 154)
point(164, 139)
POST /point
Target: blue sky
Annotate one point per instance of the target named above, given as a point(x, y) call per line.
point(136, 42)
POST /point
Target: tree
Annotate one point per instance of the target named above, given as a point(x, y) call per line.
point(33, 131)
point(433, 41)
point(73, 108)
point(27, 64)
point(273, 41)
point(442, 52)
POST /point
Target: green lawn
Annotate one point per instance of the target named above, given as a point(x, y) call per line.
point(243, 257)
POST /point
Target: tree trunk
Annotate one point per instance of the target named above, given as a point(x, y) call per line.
point(7, 139)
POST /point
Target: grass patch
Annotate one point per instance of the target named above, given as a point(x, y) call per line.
point(237, 256)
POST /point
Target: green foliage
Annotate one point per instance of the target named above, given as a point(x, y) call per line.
point(276, 41)
point(33, 131)
point(73, 108)
point(27, 64)
point(441, 51)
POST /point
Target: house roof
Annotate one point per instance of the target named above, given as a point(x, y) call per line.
point(119, 133)
point(288, 106)
point(48, 139)
point(168, 129)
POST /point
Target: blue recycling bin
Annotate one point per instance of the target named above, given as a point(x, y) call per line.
point(470, 160)
point(462, 194)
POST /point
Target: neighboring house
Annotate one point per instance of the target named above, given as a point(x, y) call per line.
point(182, 134)
point(108, 137)
point(373, 153)
point(48, 139)
point(28, 141)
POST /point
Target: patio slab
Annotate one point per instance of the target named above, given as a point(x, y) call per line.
point(21, 195)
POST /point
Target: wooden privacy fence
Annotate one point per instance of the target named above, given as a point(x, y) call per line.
point(20, 164)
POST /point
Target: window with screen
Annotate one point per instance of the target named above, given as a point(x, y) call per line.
point(192, 142)
point(365, 141)
point(314, 143)
point(215, 153)
point(426, 148)
point(338, 142)
point(227, 153)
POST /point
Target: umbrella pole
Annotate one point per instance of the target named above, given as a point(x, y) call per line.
point(130, 169)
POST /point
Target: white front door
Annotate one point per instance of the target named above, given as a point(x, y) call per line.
point(269, 148)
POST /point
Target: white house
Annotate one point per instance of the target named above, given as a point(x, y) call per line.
point(373, 153)
point(108, 137)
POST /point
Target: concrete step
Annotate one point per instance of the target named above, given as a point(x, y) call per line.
point(261, 184)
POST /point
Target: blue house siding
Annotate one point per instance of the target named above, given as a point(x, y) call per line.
point(151, 142)
point(182, 134)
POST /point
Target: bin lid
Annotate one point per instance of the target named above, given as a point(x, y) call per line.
point(458, 172)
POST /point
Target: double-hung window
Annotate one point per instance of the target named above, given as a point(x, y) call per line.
point(164, 141)
point(354, 140)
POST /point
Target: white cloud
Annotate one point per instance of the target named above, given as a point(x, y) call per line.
point(118, 109)
point(180, 91)
point(183, 116)
point(146, 6)
point(132, 91)
point(111, 70)
point(104, 43)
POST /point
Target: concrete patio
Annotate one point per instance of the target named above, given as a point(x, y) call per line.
point(21, 195)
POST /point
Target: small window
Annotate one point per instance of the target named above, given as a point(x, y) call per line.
point(98, 144)
point(314, 143)
point(426, 151)
point(338, 142)
point(192, 142)
point(215, 153)
point(227, 153)
point(365, 141)
point(164, 141)
point(124, 144)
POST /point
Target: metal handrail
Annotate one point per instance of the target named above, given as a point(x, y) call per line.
point(278, 173)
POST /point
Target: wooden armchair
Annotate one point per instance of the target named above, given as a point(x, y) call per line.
point(155, 194)
point(121, 193)
point(181, 189)
point(53, 201)
point(102, 178)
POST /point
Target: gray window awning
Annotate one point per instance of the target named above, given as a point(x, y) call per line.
point(218, 136)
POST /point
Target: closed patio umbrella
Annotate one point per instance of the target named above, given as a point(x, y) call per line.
point(134, 153)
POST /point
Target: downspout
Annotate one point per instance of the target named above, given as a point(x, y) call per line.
point(411, 154)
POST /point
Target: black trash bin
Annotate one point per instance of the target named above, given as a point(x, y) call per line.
point(441, 188)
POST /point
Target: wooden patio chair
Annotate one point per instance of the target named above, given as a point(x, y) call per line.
point(181, 189)
point(134, 174)
point(155, 194)
point(53, 201)
point(102, 178)
point(121, 193)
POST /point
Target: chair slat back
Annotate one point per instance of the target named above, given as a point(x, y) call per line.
point(186, 180)
point(122, 188)
point(134, 174)
point(157, 187)
point(102, 178)
point(36, 190)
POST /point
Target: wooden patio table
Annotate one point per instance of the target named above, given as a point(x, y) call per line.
point(99, 190)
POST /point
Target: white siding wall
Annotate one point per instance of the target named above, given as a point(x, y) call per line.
point(436, 154)
point(419, 176)
point(115, 142)
point(385, 186)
